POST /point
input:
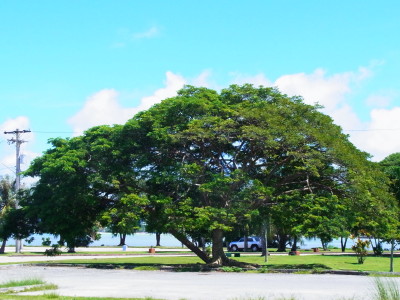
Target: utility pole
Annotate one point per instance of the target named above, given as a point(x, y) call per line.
point(17, 141)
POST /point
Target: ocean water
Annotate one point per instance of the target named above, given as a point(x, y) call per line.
point(140, 239)
point(144, 239)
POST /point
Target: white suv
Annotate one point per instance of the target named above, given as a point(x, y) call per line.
point(253, 243)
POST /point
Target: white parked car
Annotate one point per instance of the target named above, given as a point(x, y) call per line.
point(253, 243)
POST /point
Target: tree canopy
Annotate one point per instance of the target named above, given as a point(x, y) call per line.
point(79, 180)
point(212, 161)
point(203, 163)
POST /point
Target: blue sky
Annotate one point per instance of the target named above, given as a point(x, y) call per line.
point(68, 65)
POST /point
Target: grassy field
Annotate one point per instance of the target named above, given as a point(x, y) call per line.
point(58, 297)
point(138, 261)
point(96, 253)
point(310, 262)
point(328, 262)
point(9, 290)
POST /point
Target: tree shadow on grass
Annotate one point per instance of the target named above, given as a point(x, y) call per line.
point(198, 267)
point(298, 266)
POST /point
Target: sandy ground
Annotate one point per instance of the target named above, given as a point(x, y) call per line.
point(194, 286)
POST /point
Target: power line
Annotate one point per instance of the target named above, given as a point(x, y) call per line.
point(374, 129)
point(75, 132)
point(7, 167)
point(371, 129)
point(34, 131)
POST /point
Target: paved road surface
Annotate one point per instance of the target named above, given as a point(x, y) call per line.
point(193, 286)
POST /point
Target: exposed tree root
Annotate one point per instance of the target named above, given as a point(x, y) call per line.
point(232, 263)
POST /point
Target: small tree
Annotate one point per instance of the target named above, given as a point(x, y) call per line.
point(7, 203)
point(124, 217)
point(324, 217)
point(360, 248)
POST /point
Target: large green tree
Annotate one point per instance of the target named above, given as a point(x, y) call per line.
point(211, 160)
point(13, 220)
point(391, 166)
point(202, 164)
point(123, 217)
point(79, 180)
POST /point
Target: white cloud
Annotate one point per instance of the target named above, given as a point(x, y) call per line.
point(7, 164)
point(124, 36)
point(21, 123)
point(173, 83)
point(317, 87)
point(103, 107)
point(8, 161)
point(151, 32)
point(257, 80)
point(202, 80)
point(328, 91)
point(382, 99)
point(332, 91)
point(381, 135)
point(346, 117)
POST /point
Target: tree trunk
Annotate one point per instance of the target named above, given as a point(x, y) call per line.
point(324, 245)
point(246, 240)
point(343, 242)
point(122, 238)
point(282, 240)
point(3, 246)
point(294, 245)
point(264, 241)
point(158, 239)
point(391, 255)
point(203, 244)
point(185, 241)
point(218, 254)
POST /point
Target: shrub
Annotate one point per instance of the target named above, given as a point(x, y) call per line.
point(231, 269)
point(360, 248)
point(46, 242)
point(378, 250)
point(53, 251)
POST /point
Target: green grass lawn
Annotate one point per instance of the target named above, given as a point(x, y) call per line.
point(32, 285)
point(95, 253)
point(326, 262)
point(58, 297)
point(139, 261)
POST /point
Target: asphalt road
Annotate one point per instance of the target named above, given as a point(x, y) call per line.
point(194, 286)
